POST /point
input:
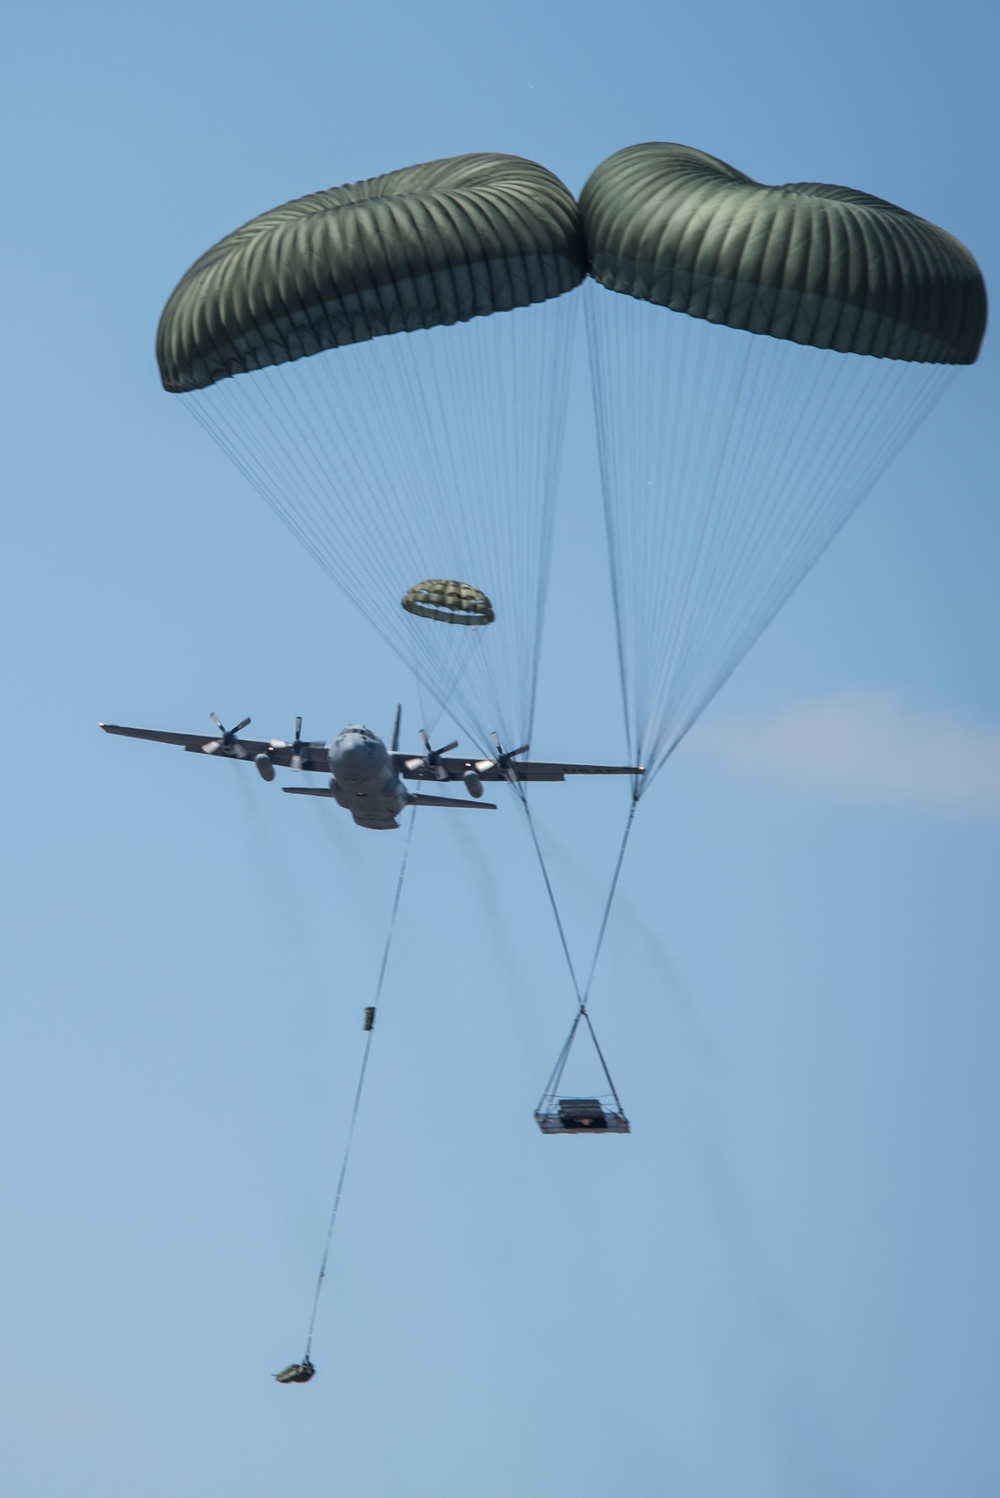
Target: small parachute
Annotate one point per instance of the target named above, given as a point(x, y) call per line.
point(296, 1373)
point(450, 602)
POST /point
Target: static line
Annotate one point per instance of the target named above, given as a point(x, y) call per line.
point(360, 1087)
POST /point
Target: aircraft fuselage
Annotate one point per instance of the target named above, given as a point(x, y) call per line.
point(364, 780)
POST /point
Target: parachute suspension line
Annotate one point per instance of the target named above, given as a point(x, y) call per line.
point(729, 461)
point(604, 1064)
point(613, 373)
point(522, 794)
point(703, 530)
point(467, 648)
point(610, 901)
point(555, 1075)
point(359, 1089)
point(421, 455)
point(551, 1090)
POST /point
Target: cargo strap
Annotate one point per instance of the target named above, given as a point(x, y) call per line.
point(582, 994)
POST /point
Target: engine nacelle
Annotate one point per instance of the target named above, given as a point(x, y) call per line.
point(265, 769)
point(473, 784)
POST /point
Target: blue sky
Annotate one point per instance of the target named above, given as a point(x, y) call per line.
point(783, 1282)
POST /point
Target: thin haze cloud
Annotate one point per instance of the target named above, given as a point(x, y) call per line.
point(37, 1410)
point(867, 745)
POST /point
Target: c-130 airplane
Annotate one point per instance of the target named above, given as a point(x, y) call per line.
point(366, 778)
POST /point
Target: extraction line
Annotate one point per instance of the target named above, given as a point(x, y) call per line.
point(360, 1087)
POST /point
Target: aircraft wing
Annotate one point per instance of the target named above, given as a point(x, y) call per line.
point(415, 767)
point(313, 755)
point(542, 771)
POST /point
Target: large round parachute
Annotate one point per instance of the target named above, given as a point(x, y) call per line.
point(819, 325)
point(390, 457)
point(424, 247)
point(808, 262)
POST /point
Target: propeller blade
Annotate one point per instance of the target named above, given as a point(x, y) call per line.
point(425, 740)
point(246, 724)
point(447, 748)
point(217, 721)
point(505, 755)
point(212, 748)
point(297, 758)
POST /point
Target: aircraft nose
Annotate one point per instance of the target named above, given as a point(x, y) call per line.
point(353, 754)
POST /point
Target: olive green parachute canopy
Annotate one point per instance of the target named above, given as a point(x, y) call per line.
point(450, 602)
point(807, 262)
point(424, 247)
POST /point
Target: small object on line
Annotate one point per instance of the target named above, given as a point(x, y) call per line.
point(574, 1115)
point(370, 1017)
point(296, 1373)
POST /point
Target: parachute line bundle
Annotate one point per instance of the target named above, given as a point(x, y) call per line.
point(728, 464)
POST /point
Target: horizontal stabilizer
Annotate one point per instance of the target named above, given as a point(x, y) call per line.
point(306, 790)
point(450, 801)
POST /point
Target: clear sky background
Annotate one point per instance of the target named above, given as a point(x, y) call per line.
point(784, 1282)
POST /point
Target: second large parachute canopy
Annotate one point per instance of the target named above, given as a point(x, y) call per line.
point(758, 355)
point(809, 262)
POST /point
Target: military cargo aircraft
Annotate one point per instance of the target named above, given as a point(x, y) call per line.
point(366, 778)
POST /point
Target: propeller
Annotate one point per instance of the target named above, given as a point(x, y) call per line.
point(227, 742)
point(297, 747)
point(432, 759)
point(504, 760)
point(299, 758)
